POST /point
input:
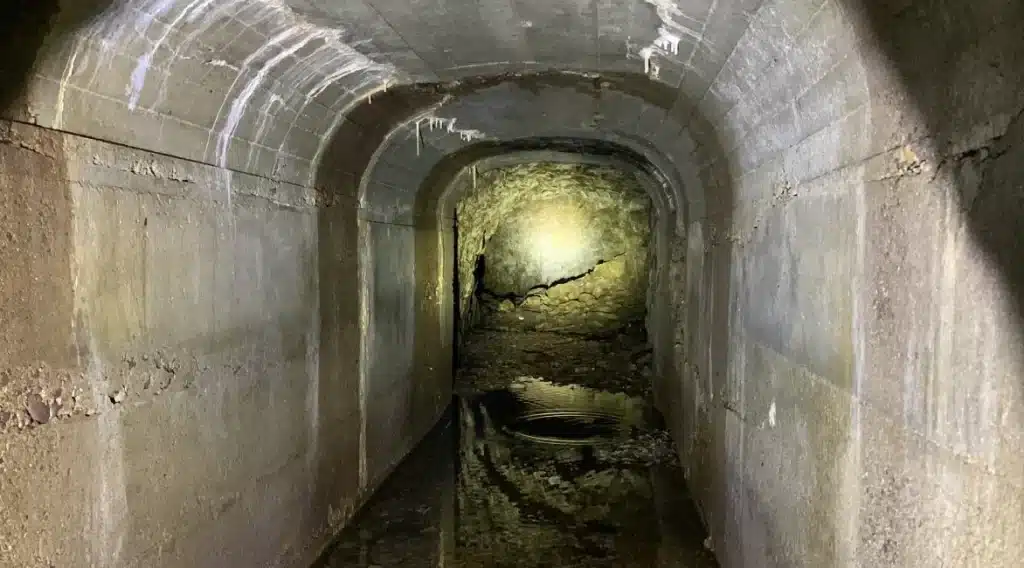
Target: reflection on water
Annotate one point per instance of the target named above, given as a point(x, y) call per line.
point(554, 475)
point(542, 412)
point(536, 475)
point(565, 427)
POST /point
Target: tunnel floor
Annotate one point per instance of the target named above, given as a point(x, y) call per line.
point(616, 362)
point(550, 457)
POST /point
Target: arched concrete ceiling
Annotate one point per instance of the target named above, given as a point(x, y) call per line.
point(457, 174)
point(260, 85)
point(505, 111)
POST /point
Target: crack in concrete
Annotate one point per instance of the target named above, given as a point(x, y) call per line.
point(10, 135)
point(989, 150)
point(977, 161)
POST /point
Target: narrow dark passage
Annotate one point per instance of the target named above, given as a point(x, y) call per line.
point(553, 454)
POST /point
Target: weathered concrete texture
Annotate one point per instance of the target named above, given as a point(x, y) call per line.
point(35, 231)
point(189, 399)
point(339, 381)
point(389, 352)
point(406, 360)
point(850, 356)
point(554, 247)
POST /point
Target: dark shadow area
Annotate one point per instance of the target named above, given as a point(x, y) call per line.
point(25, 28)
point(410, 517)
point(457, 323)
point(961, 62)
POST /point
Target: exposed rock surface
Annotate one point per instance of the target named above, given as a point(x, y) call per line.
point(602, 299)
point(560, 247)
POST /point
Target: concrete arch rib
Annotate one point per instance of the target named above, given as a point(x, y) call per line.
point(403, 220)
point(443, 199)
point(508, 111)
point(254, 85)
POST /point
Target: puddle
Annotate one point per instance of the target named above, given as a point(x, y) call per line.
point(567, 427)
point(559, 475)
point(541, 474)
point(547, 413)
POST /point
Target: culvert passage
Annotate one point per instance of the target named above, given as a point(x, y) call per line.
point(544, 473)
point(560, 459)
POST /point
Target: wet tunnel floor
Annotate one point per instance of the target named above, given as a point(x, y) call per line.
point(533, 467)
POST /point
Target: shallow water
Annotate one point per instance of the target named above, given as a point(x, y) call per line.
point(536, 474)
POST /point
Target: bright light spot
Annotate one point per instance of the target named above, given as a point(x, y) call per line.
point(557, 246)
point(556, 241)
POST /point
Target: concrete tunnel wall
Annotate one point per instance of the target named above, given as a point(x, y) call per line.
point(181, 324)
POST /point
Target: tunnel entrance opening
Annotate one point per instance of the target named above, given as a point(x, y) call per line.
point(553, 267)
point(544, 271)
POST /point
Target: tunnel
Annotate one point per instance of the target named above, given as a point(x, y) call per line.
point(244, 247)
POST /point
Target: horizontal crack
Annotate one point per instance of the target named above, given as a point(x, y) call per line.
point(988, 151)
point(539, 289)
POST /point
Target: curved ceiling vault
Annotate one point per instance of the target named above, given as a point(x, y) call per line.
point(260, 86)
